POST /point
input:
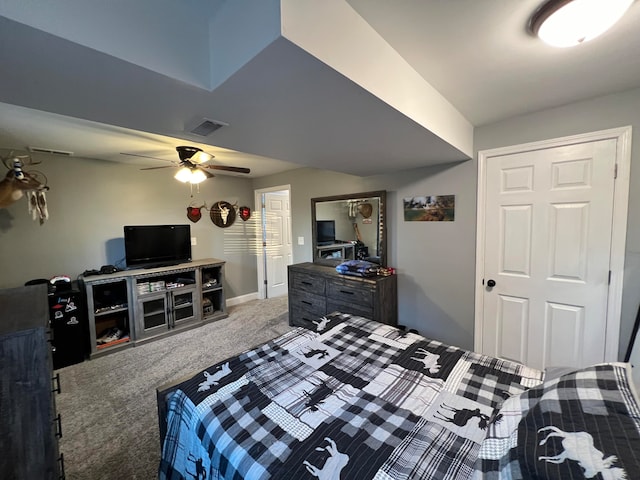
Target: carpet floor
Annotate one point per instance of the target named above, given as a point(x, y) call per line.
point(108, 405)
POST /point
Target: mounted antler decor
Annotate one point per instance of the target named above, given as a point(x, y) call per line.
point(245, 213)
point(18, 182)
point(223, 214)
point(194, 212)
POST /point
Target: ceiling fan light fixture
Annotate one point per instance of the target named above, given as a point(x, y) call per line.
point(566, 23)
point(200, 157)
point(183, 175)
point(197, 176)
point(193, 154)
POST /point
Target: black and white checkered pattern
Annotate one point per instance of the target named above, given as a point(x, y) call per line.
point(593, 409)
point(379, 405)
point(431, 451)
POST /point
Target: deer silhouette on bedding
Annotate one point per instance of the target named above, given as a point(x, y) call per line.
point(578, 446)
point(334, 464)
point(461, 416)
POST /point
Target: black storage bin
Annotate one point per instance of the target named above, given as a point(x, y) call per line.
point(68, 324)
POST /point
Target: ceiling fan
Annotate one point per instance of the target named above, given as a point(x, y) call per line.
point(192, 163)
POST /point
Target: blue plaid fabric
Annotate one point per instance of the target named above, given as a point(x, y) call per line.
point(359, 400)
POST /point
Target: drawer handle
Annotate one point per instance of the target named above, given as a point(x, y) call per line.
point(346, 292)
point(56, 379)
point(58, 421)
point(61, 462)
point(305, 302)
point(306, 283)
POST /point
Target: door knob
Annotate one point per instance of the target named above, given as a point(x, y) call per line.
point(491, 283)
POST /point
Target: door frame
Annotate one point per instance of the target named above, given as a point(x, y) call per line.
point(622, 135)
point(262, 291)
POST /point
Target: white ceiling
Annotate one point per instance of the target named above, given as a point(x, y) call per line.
point(283, 103)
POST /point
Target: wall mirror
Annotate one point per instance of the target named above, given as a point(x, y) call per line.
point(348, 227)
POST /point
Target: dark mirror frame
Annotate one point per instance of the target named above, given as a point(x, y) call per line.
point(382, 230)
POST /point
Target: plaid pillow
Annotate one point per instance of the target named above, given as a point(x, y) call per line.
point(576, 426)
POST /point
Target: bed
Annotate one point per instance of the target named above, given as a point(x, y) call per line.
point(362, 400)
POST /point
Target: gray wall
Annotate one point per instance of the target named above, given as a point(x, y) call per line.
point(436, 260)
point(601, 113)
point(89, 203)
point(307, 183)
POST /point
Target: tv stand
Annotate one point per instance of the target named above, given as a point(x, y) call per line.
point(157, 265)
point(339, 250)
point(151, 302)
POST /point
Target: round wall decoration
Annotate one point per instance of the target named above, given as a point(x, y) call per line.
point(223, 214)
point(366, 209)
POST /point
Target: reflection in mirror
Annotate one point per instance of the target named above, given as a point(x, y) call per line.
point(347, 227)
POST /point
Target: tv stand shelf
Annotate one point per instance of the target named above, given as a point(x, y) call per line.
point(149, 303)
point(340, 250)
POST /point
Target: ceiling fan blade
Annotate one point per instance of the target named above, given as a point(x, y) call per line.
point(191, 157)
point(156, 168)
point(227, 168)
point(144, 156)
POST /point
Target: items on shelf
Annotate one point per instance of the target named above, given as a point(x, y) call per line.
point(137, 306)
point(110, 308)
point(207, 306)
point(111, 335)
point(360, 268)
point(146, 287)
point(113, 342)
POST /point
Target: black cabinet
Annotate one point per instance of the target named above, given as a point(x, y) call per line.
point(70, 339)
point(30, 426)
point(315, 290)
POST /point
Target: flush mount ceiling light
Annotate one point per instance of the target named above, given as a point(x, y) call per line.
point(566, 23)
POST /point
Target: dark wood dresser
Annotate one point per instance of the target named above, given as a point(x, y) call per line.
point(315, 290)
point(28, 422)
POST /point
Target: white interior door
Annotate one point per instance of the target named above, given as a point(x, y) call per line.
point(278, 247)
point(548, 217)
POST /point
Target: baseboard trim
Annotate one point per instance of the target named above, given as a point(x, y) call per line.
point(242, 299)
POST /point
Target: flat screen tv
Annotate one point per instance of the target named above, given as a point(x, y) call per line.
point(325, 232)
point(156, 245)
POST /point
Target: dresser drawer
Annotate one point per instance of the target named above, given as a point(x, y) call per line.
point(308, 283)
point(354, 292)
point(352, 308)
point(308, 302)
point(304, 318)
point(316, 290)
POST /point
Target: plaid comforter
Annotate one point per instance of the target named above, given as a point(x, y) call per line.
point(356, 400)
point(585, 424)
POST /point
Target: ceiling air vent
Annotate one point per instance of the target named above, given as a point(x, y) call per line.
point(207, 127)
point(50, 151)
